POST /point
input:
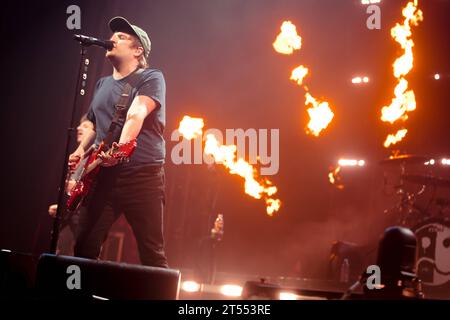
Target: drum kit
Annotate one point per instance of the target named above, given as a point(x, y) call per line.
point(431, 227)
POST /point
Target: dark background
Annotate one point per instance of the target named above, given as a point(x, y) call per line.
point(219, 64)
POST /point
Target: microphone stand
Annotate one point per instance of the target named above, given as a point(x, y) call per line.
point(79, 90)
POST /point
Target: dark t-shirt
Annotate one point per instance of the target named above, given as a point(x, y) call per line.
point(150, 148)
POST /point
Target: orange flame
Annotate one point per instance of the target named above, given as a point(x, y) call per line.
point(298, 74)
point(273, 205)
point(404, 100)
point(193, 127)
point(288, 40)
point(226, 155)
point(190, 127)
point(334, 178)
point(320, 115)
point(395, 138)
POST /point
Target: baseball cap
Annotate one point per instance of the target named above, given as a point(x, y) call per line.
point(117, 24)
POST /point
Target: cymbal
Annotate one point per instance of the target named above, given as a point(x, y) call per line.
point(427, 180)
point(405, 159)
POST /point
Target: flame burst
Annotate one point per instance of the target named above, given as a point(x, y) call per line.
point(404, 100)
point(394, 138)
point(226, 154)
point(298, 74)
point(334, 177)
point(288, 40)
point(320, 115)
point(190, 127)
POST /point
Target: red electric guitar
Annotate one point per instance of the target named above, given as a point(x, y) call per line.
point(91, 168)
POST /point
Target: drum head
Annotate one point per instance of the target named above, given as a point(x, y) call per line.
point(433, 254)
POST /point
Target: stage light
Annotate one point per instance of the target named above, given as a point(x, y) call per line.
point(356, 80)
point(445, 161)
point(288, 296)
point(190, 286)
point(396, 257)
point(351, 163)
point(370, 1)
point(359, 80)
point(231, 290)
point(437, 76)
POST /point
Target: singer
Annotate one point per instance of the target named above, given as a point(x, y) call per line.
point(134, 188)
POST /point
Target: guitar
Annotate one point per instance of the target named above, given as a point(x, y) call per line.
point(91, 168)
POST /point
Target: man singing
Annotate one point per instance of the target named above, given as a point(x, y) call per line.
point(134, 188)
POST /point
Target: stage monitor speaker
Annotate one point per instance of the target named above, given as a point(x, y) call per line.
point(64, 277)
point(17, 274)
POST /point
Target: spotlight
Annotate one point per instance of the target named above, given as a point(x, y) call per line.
point(437, 76)
point(351, 163)
point(231, 290)
point(397, 261)
point(359, 80)
point(356, 80)
point(370, 1)
point(190, 286)
point(288, 296)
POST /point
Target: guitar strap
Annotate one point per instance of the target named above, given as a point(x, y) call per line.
point(123, 104)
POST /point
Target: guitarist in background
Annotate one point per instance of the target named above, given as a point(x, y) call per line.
point(70, 221)
point(135, 188)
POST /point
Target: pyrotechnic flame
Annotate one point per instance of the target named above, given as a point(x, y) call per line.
point(404, 100)
point(288, 40)
point(334, 177)
point(190, 127)
point(298, 74)
point(226, 155)
point(320, 115)
point(395, 138)
point(273, 205)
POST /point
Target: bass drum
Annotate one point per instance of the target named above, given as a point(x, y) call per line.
point(433, 256)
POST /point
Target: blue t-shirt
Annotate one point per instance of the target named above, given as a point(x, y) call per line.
point(150, 142)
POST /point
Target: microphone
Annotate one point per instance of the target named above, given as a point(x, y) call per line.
point(87, 41)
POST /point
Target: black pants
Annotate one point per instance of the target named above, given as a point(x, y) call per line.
point(138, 193)
point(67, 235)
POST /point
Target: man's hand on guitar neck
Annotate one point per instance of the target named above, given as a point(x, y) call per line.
point(118, 153)
point(107, 158)
point(88, 140)
point(74, 159)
